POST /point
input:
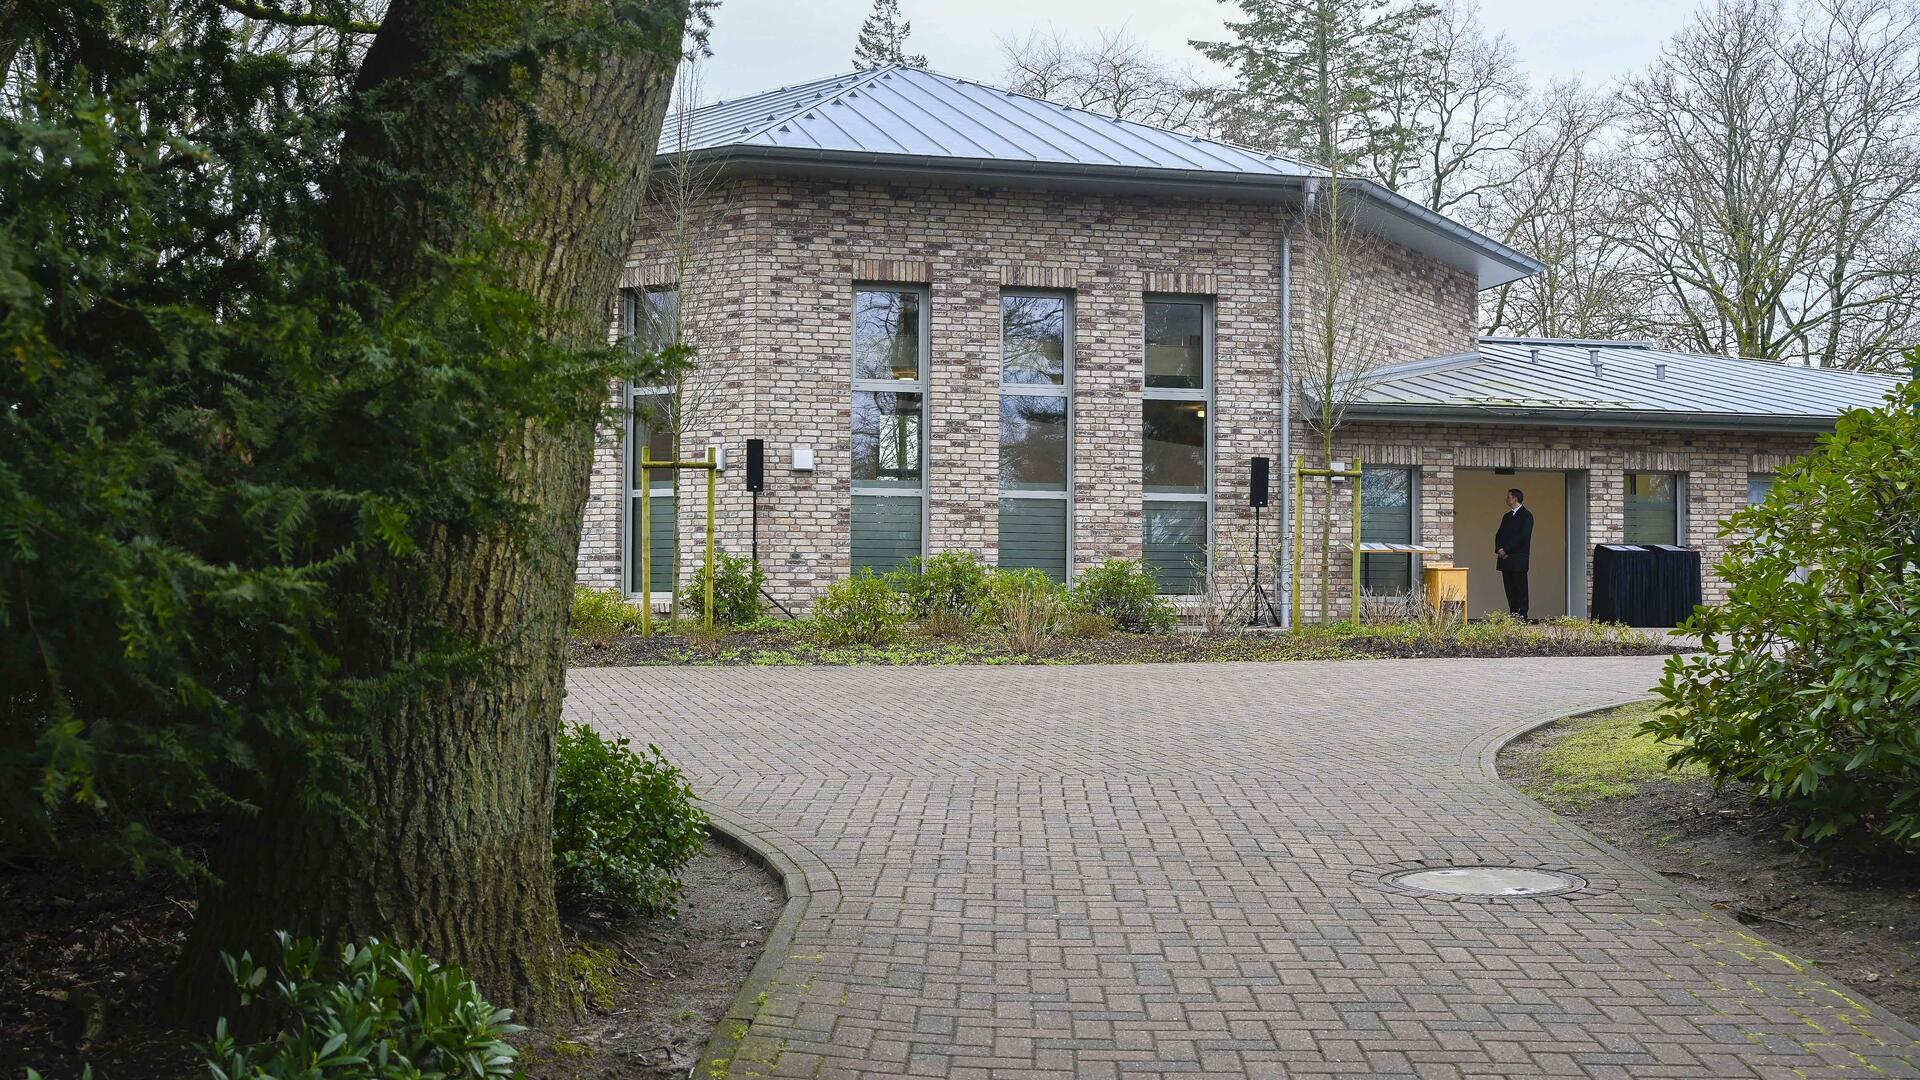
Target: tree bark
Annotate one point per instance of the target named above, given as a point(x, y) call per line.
point(458, 784)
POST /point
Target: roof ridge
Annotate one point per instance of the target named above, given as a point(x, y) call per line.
point(1117, 119)
point(855, 80)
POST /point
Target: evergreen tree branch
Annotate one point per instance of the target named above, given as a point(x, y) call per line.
point(291, 18)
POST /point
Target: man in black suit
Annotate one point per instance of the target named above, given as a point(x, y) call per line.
point(1511, 545)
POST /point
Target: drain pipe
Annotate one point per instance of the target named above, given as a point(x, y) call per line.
point(1285, 472)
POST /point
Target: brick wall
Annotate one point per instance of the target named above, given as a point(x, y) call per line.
point(767, 299)
point(1716, 466)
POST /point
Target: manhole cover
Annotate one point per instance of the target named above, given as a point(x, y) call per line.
point(1485, 881)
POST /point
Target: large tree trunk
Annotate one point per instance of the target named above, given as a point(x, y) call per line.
point(458, 788)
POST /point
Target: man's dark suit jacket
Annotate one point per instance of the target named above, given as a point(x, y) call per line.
point(1515, 538)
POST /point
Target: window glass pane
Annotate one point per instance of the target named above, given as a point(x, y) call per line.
point(886, 438)
point(1033, 339)
point(653, 317)
point(1175, 544)
point(1386, 506)
point(1176, 345)
point(1033, 533)
point(1758, 484)
point(1033, 443)
point(1174, 447)
point(886, 334)
point(1652, 509)
point(886, 531)
point(1386, 575)
point(653, 429)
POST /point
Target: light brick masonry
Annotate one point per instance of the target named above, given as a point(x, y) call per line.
point(767, 300)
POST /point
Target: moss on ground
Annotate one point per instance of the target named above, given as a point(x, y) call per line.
point(593, 967)
point(1604, 757)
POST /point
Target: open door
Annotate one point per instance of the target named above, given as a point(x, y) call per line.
point(1579, 546)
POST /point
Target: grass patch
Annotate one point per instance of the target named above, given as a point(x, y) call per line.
point(1604, 757)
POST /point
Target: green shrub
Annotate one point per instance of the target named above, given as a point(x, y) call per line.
point(861, 610)
point(1027, 604)
point(952, 583)
point(602, 614)
point(1126, 591)
point(1810, 676)
point(623, 826)
point(1086, 625)
point(736, 591)
point(375, 1011)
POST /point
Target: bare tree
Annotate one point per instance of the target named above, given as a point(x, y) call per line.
point(1777, 179)
point(682, 208)
point(1114, 75)
point(1454, 112)
point(1341, 340)
point(1552, 198)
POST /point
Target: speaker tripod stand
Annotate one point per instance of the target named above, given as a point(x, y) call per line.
point(1264, 611)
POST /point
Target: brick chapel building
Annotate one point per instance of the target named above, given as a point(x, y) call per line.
point(963, 319)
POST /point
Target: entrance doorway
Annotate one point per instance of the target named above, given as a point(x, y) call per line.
point(1556, 580)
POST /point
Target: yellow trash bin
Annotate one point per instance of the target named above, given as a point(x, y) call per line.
point(1446, 586)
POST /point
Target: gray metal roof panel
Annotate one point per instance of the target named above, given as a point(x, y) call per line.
point(897, 118)
point(909, 110)
point(1504, 376)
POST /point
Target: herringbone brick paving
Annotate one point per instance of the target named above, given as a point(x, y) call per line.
point(1171, 870)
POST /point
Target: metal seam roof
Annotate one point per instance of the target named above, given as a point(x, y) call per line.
point(1633, 378)
point(901, 120)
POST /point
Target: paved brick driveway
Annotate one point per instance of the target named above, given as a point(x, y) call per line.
point(1172, 870)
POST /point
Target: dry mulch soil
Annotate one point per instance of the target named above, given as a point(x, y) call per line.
point(1856, 915)
point(84, 962)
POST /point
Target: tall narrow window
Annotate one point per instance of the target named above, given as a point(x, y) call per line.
point(1758, 485)
point(1386, 517)
point(650, 320)
point(1036, 421)
point(889, 426)
point(1176, 464)
point(1652, 508)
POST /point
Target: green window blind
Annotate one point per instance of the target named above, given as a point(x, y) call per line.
point(1386, 517)
point(1652, 509)
point(1176, 544)
point(661, 539)
point(1033, 533)
point(886, 531)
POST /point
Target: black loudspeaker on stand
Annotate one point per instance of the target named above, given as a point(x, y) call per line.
point(756, 483)
point(1264, 613)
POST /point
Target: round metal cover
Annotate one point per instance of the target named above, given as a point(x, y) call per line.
point(1485, 881)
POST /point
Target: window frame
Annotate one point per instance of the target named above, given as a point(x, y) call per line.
point(1203, 394)
point(920, 386)
point(630, 393)
point(1413, 525)
point(1064, 391)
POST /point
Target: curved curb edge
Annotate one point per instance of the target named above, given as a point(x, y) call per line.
point(770, 855)
point(1489, 753)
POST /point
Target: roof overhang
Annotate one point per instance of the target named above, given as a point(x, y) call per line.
point(1392, 216)
point(1589, 418)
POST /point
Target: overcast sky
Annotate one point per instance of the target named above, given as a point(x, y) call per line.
point(762, 44)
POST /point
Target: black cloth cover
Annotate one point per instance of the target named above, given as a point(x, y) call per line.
point(1652, 585)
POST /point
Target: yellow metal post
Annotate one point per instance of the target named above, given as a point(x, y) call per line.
point(646, 544)
point(711, 470)
point(1359, 477)
point(1299, 494)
